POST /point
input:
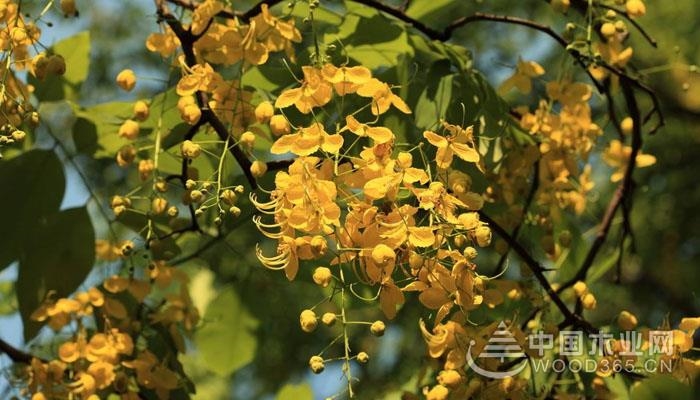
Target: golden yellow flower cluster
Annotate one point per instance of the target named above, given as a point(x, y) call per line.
point(101, 356)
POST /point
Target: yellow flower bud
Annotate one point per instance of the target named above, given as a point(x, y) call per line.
point(126, 155)
point(129, 129)
point(415, 260)
point(190, 149)
point(383, 255)
point(228, 196)
point(438, 392)
point(308, 321)
point(264, 111)
point(196, 196)
point(322, 276)
point(404, 159)
point(626, 320)
point(159, 205)
point(470, 253)
point(18, 135)
point(469, 220)
point(635, 8)
point(126, 80)
point(141, 111)
point(316, 364)
point(627, 125)
point(608, 29)
point(483, 236)
point(328, 319)
point(248, 138)
point(450, 378)
point(145, 169)
point(377, 328)
point(588, 300)
point(258, 168)
point(362, 357)
point(580, 288)
point(279, 125)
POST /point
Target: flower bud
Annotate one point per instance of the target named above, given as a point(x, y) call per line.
point(362, 357)
point(190, 149)
point(126, 80)
point(483, 236)
point(141, 111)
point(279, 125)
point(449, 378)
point(248, 138)
point(264, 111)
point(129, 129)
point(228, 196)
point(328, 319)
point(159, 205)
point(316, 364)
point(588, 301)
point(627, 321)
point(580, 288)
point(470, 253)
point(377, 328)
point(258, 168)
point(308, 321)
point(404, 159)
point(322, 276)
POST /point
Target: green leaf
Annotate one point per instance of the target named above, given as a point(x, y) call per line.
point(661, 387)
point(226, 340)
point(85, 136)
point(8, 298)
point(295, 392)
point(436, 97)
point(370, 38)
point(56, 257)
point(34, 185)
point(106, 119)
point(435, 13)
point(76, 52)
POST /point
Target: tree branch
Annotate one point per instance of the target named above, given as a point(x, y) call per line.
point(537, 270)
point(187, 40)
point(624, 189)
point(14, 353)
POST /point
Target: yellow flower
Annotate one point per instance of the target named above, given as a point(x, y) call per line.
point(346, 80)
point(102, 372)
point(460, 143)
point(617, 156)
point(315, 91)
point(522, 79)
point(307, 141)
point(379, 134)
point(382, 97)
point(164, 43)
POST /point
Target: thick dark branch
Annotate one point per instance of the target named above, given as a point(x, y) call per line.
point(624, 190)
point(187, 40)
point(14, 353)
point(537, 270)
